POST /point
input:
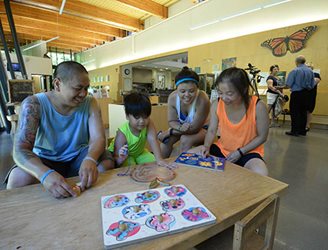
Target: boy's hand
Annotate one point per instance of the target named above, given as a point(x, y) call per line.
point(123, 154)
point(123, 151)
point(88, 174)
point(57, 186)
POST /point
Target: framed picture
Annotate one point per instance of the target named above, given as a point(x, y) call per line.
point(229, 62)
point(161, 81)
point(20, 89)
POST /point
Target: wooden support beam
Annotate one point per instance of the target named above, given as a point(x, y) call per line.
point(50, 34)
point(63, 20)
point(147, 6)
point(57, 30)
point(88, 11)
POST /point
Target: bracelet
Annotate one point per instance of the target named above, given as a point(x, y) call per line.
point(91, 159)
point(44, 176)
point(240, 152)
point(171, 131)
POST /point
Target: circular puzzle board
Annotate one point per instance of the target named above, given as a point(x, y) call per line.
point(148, 172)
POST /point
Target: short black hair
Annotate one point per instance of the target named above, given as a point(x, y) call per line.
point(273, 66)
point(65, 71)
point(137, 104)
point(186, 73)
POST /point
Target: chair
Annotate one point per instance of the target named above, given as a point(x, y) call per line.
point(255, 231)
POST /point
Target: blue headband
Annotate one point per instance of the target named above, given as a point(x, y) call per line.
point(185, 80)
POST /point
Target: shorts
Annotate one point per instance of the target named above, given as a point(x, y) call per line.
point(69, 168)
point(216, 151)
point(271, 98)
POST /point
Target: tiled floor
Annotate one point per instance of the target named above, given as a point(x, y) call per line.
point(302, 162)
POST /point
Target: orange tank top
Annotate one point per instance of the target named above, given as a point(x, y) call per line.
point(235, 136)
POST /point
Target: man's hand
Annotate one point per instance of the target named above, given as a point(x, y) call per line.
point(57, 186)
point(88, 174)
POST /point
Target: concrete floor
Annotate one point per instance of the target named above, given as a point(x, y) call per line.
point(302, 162)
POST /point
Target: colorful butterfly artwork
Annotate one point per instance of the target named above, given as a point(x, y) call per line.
point(294, 43)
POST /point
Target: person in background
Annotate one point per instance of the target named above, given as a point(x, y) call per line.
point(242, 120)
point(129, 144)
point(300, 80)
point(312, 94)
point(188, 109)
point(60, 134)
point(273, 92)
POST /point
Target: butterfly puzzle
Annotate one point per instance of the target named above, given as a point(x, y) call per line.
point(136, 216)
point(294, 43)
point(195, 160)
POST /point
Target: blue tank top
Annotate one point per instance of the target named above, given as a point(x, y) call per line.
point(61, 137)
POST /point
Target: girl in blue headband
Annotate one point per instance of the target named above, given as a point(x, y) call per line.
point(188, 109)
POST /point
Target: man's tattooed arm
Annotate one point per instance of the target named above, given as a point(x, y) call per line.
point(29, 119)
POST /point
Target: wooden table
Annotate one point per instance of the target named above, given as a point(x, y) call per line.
point(31, 219)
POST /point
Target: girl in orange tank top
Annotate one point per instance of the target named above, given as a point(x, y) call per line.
point(241, 120)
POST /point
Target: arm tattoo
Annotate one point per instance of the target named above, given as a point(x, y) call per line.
point(29, 119)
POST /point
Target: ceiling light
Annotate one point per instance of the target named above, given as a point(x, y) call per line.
point(62, 7)
point(241, 14)
point(244, 12)
point(275, 4)
point(42, 42)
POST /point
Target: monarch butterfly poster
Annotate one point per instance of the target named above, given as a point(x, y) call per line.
point(294, 43)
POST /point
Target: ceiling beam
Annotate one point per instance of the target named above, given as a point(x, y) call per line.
point(64, 20)
point(45, 33)
point(147, 6)
point(57, 30)
point(88, 11)
point(66, 46)
point(44, 38)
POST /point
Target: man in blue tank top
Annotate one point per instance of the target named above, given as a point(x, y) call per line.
point(60, 135)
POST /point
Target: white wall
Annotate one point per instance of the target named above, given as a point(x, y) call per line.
point(38, 51)
point(172, 11)
point(181, 31)
point(33, 65)
point(142, 75)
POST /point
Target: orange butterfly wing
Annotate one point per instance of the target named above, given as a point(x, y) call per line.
point(297, 40)
point(294, 43)
point(277, 45)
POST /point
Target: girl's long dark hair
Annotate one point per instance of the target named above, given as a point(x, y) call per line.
point(239, 79)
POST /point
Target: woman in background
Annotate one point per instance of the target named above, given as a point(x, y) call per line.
point(273, 92)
